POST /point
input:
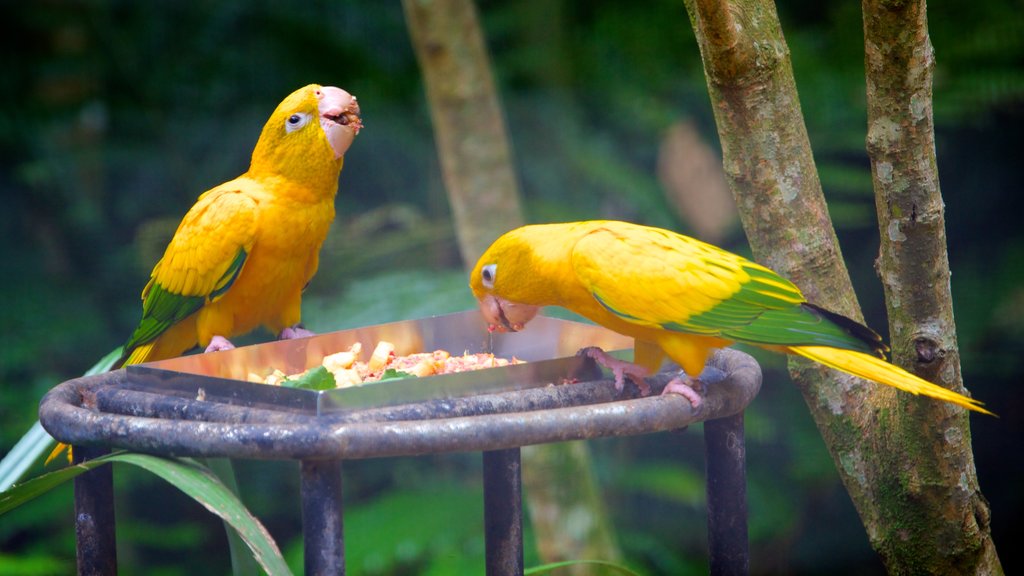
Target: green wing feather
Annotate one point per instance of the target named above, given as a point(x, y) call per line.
point(162, 309)
point(659, 278)
point(201, 262)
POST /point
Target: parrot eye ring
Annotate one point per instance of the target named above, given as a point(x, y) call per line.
point(296, 121)
point(487, 274)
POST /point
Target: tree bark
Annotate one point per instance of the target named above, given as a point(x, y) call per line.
point(469, 129)
point(934, 494)
point(567, 508)
point(476, 161)
point(886, 464)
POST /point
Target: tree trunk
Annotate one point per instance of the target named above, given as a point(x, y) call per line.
point(472, 143)
point(933, 494)
point(474, 151)
point(768, 161)
point(567, 508)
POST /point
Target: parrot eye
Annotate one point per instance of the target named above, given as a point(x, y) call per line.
point(487, 274)
point(296, 121)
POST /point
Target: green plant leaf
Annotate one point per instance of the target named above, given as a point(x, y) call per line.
point(29, 449)
point(318, 378)
point(184, 474)
point(392, 374)
point(36, 442)
point(545, 568)
point(241, 563)
point(21, 493)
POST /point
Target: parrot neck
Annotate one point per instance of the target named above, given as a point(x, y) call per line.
point(311, 178)
point(543, 255)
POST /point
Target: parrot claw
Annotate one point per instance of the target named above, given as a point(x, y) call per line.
point(218, 343)
point(620, 368)
point(297, 331)
point(684, 386)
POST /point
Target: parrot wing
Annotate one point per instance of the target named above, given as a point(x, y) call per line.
point(201, 262)
point(660, 279)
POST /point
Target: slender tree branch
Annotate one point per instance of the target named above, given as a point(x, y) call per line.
point(891, 465)
point(933, 500)
point(717, 24)
point(477, 165)
point(468, 124)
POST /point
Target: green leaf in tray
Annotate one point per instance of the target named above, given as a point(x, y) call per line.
point(392, 374)
point(318, 378)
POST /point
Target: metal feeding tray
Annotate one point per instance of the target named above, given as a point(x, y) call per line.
point(548, 348)
point(203, 406)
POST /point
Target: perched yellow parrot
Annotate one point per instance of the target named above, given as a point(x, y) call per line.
point(244, 252)
point(677, 297)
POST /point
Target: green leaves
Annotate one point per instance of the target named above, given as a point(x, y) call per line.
point(547, 568)
point(36, 442)
point(392, 374)
point(187, 475)
point(318, 378)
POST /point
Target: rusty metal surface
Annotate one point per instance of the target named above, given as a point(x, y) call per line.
point(726, 486)
point(503, 512)
point(322, 523)
point(196, 407)
point(94, 517)
point(74, 412)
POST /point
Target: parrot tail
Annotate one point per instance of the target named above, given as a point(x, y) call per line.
point(137, 355)
point(59, 449)
point(878, 370)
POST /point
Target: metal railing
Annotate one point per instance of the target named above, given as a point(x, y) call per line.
point(109, 411)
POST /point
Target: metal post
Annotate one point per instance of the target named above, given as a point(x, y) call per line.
point(321, 517)
point(503, 512)
point(94, 516)
point(725, 457)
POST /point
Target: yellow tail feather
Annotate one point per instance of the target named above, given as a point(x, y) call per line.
point(878, 370)
point(57, 450)
point(139, 355)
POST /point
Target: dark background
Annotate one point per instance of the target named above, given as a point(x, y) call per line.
point(115, 116)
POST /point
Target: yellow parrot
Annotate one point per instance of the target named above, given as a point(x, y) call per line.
point(244, 252)
point(677, 297)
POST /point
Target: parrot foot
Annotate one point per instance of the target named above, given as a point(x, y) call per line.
point(296, 331)
point(218, 343)
point(684, 386)
point(620, 368)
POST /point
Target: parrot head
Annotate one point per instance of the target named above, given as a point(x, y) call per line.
point(313, 126)
point(507, 283)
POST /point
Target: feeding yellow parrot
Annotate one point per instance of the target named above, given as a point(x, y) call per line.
point(244, 252)
point(677, 297)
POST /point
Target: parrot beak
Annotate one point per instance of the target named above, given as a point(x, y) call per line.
point(339, 118)
point(505, 316)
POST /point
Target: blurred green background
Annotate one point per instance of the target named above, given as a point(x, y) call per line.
point(116, 115)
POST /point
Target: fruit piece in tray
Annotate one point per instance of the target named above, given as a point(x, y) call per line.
point(347, 370)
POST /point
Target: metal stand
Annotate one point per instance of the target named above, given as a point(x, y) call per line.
point(321, 517)
point(122, 415)
point(94, 515)
point(503, 512)
point(725, 459)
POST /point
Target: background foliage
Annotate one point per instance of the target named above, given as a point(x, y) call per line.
point(115, 115)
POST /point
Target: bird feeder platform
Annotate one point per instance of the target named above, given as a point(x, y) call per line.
point(199, 406)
